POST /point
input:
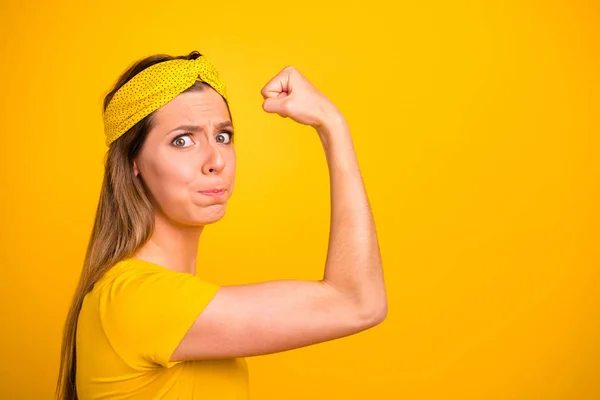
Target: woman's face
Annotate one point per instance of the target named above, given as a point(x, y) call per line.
point(189, 150)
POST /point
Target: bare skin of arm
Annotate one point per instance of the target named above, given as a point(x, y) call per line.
point(268, 317)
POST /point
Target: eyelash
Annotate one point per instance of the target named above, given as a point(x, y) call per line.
point(191, 134)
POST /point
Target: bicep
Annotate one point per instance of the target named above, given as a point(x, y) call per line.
point(268, 317)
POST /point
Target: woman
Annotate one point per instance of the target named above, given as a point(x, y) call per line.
point(142, 325)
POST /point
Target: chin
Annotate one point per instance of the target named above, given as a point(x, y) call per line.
point(210, 215)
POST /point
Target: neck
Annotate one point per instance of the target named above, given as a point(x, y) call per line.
point(172, 246)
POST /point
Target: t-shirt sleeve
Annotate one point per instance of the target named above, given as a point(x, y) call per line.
point(145, 315)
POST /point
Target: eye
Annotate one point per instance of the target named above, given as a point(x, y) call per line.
point(179, 141)
point(224, 137)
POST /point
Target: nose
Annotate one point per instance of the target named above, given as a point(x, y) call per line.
point(214, 161)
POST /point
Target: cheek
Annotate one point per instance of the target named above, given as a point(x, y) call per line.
point(232, 162)
point(169, 181)
point(231, 167)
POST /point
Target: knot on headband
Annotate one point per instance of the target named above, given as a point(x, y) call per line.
point(154, 87)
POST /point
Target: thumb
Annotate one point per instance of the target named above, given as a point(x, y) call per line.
point(277, 104)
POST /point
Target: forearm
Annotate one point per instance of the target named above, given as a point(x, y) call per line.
point(353, 264)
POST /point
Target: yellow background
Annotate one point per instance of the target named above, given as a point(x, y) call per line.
point(476, 127)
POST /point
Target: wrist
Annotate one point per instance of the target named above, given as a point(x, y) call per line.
point(332, 123)
point(335, 136)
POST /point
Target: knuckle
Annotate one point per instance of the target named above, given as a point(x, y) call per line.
point(288, 106)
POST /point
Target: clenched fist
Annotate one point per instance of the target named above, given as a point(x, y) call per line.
point(290, 94)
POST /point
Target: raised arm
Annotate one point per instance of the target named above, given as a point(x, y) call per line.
point(267, 317)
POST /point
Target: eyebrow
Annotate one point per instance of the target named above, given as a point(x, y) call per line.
point(197, 128)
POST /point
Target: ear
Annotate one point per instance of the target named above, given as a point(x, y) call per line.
point(136, 171)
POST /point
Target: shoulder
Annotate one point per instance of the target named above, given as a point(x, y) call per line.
point(127, 281)
point(131, 270)
point(136, 283)
point(145, 309)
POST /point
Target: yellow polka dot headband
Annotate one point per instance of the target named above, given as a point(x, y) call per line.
point(154, 87)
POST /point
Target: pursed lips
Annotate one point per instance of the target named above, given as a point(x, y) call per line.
point(213, 192)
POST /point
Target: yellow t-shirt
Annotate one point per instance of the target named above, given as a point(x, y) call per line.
point(130, 324)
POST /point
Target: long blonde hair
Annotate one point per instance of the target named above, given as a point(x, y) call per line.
point(124, 220)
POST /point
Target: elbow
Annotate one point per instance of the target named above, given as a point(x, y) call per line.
point(373, 315)
point(380, 314)
point(361, 314)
